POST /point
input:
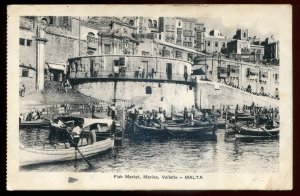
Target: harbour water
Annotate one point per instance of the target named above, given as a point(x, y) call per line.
point(169, 155)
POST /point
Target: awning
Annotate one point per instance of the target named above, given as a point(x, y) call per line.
point(264, 74)
point(253, 71)
point(29, 66)
point(199, 69)
point(57, 66)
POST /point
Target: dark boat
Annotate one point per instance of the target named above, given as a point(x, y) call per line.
point(264, 131)
point(189, 129)
point(154, 130)
point(35, 123)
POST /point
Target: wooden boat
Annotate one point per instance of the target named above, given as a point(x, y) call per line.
point(201, 128)
point(35, 123)
point(263, 131)
point(153, 131)
point(29, 156)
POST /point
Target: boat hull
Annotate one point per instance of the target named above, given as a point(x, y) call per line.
point(150, 131)
point(30, 156)
point(36, 123)
point(260, 132)
point(191, 130)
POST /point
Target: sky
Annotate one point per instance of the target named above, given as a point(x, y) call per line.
point(230, 29)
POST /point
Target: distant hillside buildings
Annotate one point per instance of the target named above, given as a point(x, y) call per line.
point(169, 46)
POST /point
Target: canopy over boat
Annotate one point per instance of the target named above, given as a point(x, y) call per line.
point(90, 121)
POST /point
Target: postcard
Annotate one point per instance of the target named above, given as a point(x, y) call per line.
point(149, 97)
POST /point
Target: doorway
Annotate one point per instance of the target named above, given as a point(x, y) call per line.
point(169, 71)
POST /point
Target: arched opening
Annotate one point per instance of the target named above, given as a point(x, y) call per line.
point(154, 23)
point(148, 90)
point(91, 34)
point(249, 89)
point(131, 22)
point(262, 90)
point(150, 25)
point(44, 21)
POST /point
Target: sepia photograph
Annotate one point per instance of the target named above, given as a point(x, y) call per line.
point(150, 100)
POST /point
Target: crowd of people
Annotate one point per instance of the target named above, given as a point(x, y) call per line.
point(150, 118)
point(249, 90)
point(141, 73)
point(30, 116)
point(263, 115)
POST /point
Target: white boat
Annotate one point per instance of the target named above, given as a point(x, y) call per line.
point(29, 156)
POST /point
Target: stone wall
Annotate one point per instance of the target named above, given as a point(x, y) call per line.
point(29, 82)
point(217, 94)
point(163, 94)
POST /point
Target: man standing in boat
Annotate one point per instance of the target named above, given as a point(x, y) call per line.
point(140, 115)
point(185, 114)
point(193, 113)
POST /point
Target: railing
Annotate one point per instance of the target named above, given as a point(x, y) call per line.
point(131, 75)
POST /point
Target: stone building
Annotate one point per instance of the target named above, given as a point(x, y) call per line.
point(200, 31)
point(250, 77)
point(215, 42)
point(46, 43)
point(271, 50)
point(189, 32)
point(245, 48)
point(167, 29)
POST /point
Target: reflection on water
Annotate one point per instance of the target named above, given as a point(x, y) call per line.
point(171, 155)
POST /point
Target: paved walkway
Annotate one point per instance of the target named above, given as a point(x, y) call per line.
point(29, 101)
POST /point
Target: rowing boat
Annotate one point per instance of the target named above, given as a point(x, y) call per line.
point(264, 131)
point(153, 131)
point(35, 123)
point(30, 156)
point(189, 129)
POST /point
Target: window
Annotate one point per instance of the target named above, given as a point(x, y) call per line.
point(148, 90)
point(29, 42)
point(244, 34)
point(154, 23)
point(145, 53)
point(248, 72)
point(106, 49)
point(224, 44)
point(208, 43)
point(216, 44)
point(159, 36)
point(22, 41)
point(179, 24)
point(25, 73)
point(190, 39)
point(150, 25)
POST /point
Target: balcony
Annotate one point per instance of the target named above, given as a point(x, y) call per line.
point(104, 75)
point(188, 33)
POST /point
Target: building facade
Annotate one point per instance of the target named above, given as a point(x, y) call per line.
point(253, 78)
point(215, 42)
point(45, 44)
point(200, 31)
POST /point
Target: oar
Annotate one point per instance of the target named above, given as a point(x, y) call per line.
point(266, 131)
point(75, 145)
